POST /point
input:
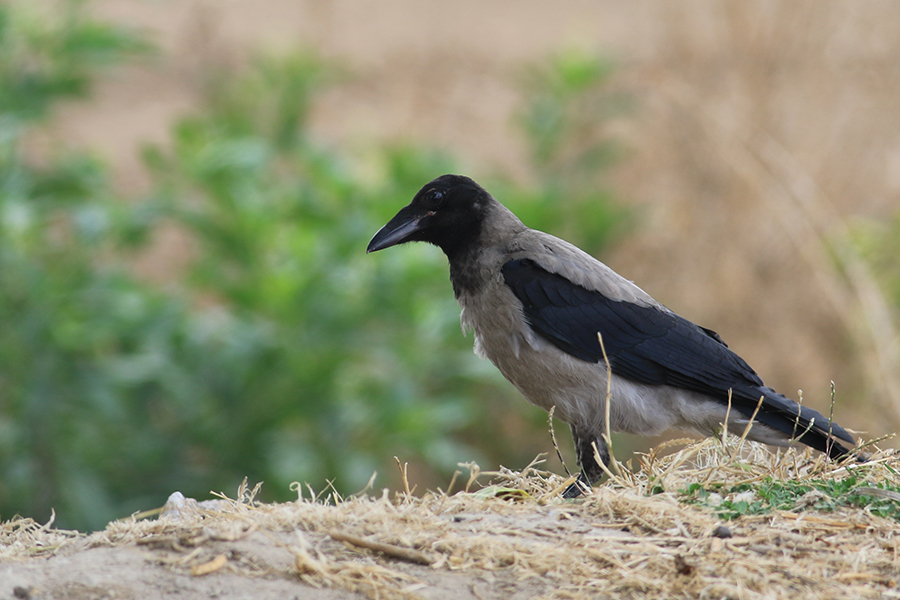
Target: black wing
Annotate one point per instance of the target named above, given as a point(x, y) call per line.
point(653, 346)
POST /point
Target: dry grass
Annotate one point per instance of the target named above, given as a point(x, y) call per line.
point(765, 130)
point(637, 535)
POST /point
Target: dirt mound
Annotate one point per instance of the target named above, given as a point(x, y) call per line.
point(658, 531)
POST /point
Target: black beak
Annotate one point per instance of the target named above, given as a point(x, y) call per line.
point(398, 229)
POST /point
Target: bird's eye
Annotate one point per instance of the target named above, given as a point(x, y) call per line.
point(434, 198)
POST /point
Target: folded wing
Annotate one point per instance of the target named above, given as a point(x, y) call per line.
point(654, 346)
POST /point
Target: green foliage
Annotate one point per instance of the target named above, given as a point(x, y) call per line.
point(879, 244)
point(567, 108)
point(337, 380)
point(732, 502)
point(66, 319)
point(48, 57)
point(283, 352)
point(568, 105)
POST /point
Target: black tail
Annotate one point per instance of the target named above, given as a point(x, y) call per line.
point(799, 423)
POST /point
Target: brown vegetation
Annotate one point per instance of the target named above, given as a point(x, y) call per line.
point(638, 536)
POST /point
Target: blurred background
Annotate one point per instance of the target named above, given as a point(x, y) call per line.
point(187, 189)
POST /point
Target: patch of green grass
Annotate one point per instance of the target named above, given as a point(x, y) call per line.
point(770, 494)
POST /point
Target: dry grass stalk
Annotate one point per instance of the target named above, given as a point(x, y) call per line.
point(391, 550)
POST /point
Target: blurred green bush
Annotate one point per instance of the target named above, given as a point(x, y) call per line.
point(282, 352)
point(878, 242)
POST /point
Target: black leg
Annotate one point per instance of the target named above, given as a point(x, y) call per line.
point(591, 471)
point(578, 488)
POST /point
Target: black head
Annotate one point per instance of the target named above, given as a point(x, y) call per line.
point(447, 212)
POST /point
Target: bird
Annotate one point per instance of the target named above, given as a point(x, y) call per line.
point(567, 331)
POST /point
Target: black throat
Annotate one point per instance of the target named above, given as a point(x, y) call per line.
point(465, 275)
point(463, 253)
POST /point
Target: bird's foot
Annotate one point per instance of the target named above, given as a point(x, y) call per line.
point(578, 488)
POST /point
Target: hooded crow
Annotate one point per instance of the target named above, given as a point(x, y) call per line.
point(539, 308)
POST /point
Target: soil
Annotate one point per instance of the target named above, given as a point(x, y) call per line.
point(632, 537)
